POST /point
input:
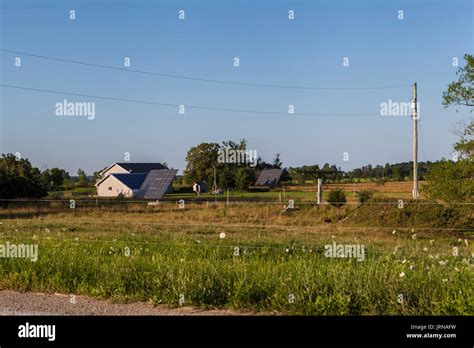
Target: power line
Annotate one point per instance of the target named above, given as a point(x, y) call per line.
point(178, 105)
point(192, 78)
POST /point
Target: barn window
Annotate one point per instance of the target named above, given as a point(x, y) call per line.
point(110, 188)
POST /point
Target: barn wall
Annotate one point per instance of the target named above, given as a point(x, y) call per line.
point(117, 188)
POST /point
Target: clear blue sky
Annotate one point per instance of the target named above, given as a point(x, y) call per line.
point(308, 51)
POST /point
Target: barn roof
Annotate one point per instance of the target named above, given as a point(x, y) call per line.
point(140, 167)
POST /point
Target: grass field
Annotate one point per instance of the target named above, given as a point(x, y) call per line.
point(307, 193)
point(253, 257)
point(399, 189)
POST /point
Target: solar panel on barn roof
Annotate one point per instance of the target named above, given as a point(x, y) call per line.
point(157, 183)
point(134, 181)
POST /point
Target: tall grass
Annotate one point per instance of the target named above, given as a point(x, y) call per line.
point(276, 270)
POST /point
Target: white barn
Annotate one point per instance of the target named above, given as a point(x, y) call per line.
point(115, 184)
point(124, 178)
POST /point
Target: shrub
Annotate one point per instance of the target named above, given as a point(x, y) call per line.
point(451, 181)
point(364, 195)
point(337, 198)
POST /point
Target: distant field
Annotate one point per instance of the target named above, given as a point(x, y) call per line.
point(400, 190)
point(249, 256)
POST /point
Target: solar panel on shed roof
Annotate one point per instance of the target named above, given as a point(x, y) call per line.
point(269, 177)
point(157, 183)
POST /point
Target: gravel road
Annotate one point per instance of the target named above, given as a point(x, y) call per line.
point(32, 303)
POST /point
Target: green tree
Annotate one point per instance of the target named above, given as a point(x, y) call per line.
point(45, 179)
point(451, 182)
point(19, 179)
point(277, 163)
point(54, 177)
point(465, 145)
point(82, 178)
point(201, 160)
point(461, 92)
point(244, 177)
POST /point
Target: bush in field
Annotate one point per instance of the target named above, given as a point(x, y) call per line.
point(365, 195)
point(451, 181)
point(337, 198)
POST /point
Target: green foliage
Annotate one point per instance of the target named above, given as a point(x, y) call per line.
point(244, 178)
point(461, 92)
point(82, 178)
point(448, 181)
point(19, 179)
point(451, 182)
point(203, 158)
point(378, 173)
point(337, 198)
point(200, 162)
point(277, 163)
point(54, 177)
point(364, 195)
point(226, 177)
point(465, 145)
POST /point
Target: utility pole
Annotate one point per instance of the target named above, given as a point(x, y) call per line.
point(415, 143)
